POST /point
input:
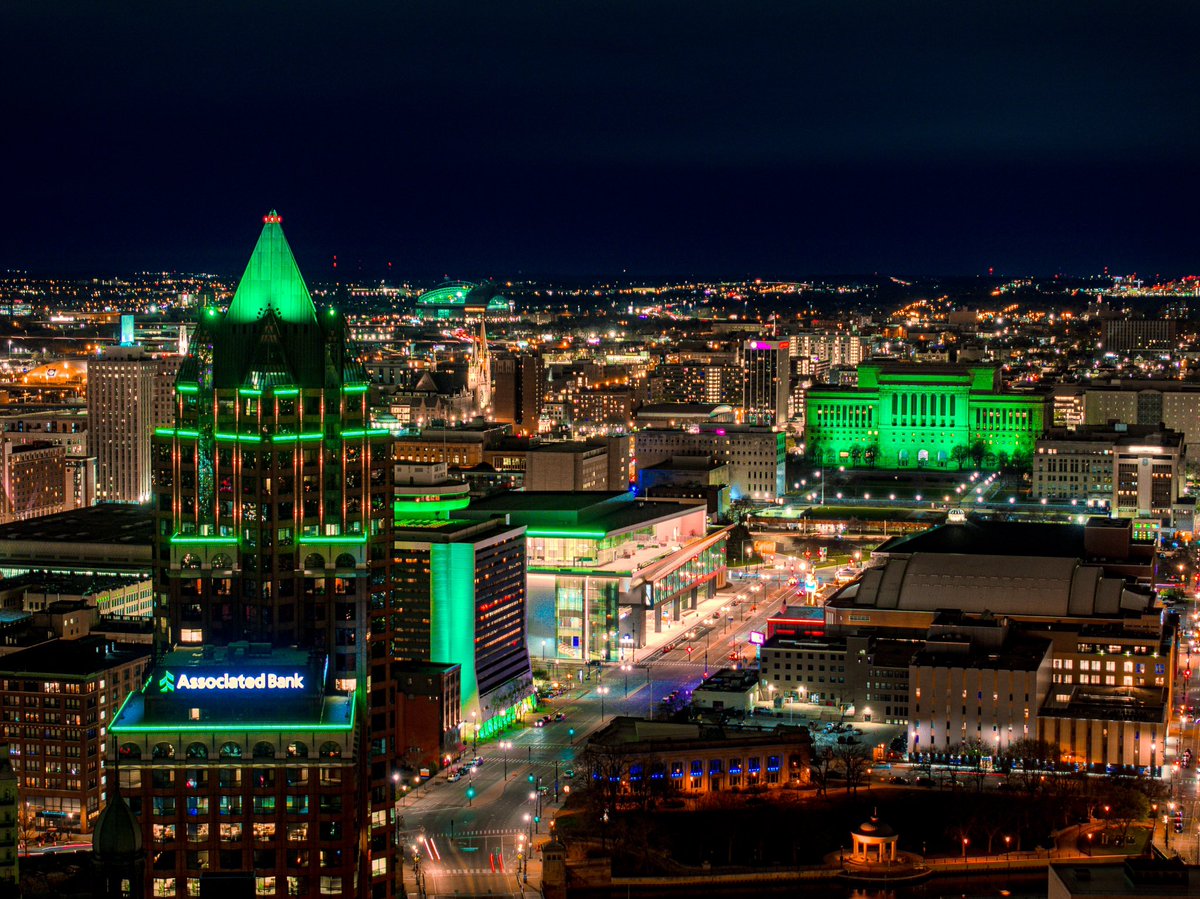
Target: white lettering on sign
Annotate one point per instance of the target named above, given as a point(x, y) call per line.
point(263, 681)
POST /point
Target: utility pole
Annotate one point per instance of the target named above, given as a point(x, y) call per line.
point(556, 780)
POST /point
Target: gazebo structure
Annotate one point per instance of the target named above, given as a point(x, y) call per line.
point(874, 843)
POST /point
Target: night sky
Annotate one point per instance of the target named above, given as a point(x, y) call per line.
point(578, 138)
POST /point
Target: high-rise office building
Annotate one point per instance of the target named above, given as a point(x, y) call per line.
point(129, 394)
point(518, 381)
point(273, 516)
point(767, 368)
point(460, 600)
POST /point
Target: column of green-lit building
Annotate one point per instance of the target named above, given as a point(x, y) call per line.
point(273, 510)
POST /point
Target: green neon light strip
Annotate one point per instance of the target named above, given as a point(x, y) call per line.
point(404, 506)
point(366, 432)
point(292, 438)
point(217, 725)
point(249, 391)
point(187, 388)
point(287, 391)
point(573, 535)
point(172, 432)
point(201, 540)
point(243, 438)
point(340, 539)
point(356, 388)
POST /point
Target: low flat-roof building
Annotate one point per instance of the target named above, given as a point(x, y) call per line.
point(109, 537)
point(627, 753)
point(606, 569)
point(1037, 610)
point(728, 690)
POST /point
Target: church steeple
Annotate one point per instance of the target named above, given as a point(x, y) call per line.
point(272, 281)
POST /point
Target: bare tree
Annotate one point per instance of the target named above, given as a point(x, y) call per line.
point(853, 758)
point(820, 769)
point(27, 830)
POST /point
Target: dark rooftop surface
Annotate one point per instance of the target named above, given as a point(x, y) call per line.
point(608, 511)
point(74, 658)
point(1017, 654)
point(1005, 538)
point(105, 523)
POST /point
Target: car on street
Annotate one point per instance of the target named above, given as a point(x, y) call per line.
point(897, 779)
point(454, 776)
point(925, 782)
point(569, 773)
point(560, 716)
point(476, 762)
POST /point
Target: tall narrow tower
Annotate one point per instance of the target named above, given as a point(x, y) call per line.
point(273, 504)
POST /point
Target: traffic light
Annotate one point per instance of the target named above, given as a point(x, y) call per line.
point(531, 778)
point(471, 792)
point(571, 733)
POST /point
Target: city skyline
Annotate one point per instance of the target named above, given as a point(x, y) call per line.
point(768, 142)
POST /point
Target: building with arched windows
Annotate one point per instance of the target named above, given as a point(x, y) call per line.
point(903, 415)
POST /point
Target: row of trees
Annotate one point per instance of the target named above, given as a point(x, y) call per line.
point(975, 453)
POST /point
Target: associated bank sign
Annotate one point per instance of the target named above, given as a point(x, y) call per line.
point(170, 683)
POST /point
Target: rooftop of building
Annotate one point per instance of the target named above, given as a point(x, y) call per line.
point(1154, 876)
point(666, 410)
point(452, 530)
point(983, 536)
point(686, 463)
point(1017, 653)
point(107, 523)
point(639, 734)
point(591, 514)
point(72, 658)
point(243, 685)
point(1116, 433)
point(729, 680)
point(572, 447)
point(1099, 703)
point(51, 582)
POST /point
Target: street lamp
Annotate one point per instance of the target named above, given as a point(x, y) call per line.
point(603, 691)
point(966, 843)
point(395, 809)
point(543, 649)
point(505, 745)
point(475, 735)
point(626, 668)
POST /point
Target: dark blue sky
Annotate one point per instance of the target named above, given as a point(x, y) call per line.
point(781, 138)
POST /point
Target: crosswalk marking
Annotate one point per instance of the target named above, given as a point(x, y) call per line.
point(470, 872)
point(495, 831)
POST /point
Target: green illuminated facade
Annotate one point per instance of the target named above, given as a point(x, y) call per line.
point(460, 597)
point(273, 514)
point(924, 416)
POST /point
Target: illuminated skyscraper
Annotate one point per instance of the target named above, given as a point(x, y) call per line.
point(129, 394)
point(767, 368)
point(273, 504)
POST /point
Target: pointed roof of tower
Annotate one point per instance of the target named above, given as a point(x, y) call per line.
point(272, 281)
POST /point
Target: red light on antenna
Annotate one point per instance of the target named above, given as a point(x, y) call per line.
point(272, 218)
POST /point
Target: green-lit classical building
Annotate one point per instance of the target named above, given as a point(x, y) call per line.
point(904, 415)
